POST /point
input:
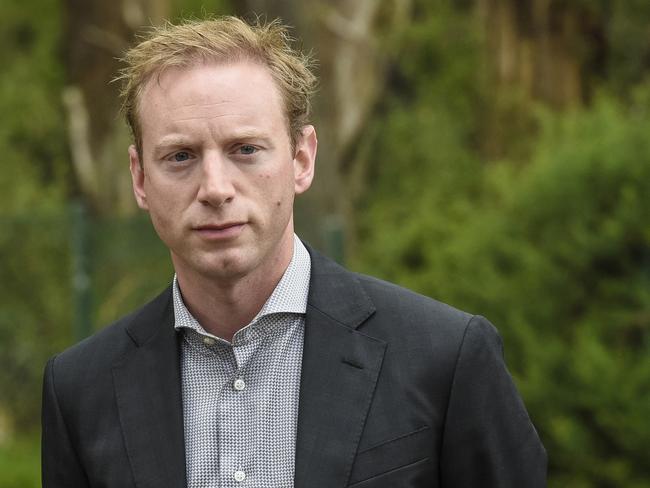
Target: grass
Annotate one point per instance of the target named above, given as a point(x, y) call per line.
point(20, 463)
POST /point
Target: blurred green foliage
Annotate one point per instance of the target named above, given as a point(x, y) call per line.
point(32, 132)
point(19, 463)
point(32, 189)
point(557, 254)
point(555, 250)
point(551, 241)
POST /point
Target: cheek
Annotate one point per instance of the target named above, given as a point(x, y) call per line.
point(163, 210)
point(274, 190)
point(161, 227)
point(170, 196)
point(277, 183)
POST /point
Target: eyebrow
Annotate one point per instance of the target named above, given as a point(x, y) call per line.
point(247, 134)
point(178, 140)
point(174, 140)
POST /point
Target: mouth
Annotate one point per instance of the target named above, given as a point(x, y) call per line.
point(227, 230)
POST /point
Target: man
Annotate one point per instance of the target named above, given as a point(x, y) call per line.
point(265, 364)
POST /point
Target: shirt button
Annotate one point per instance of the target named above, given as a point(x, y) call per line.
point(239, 386)
point(208, 341)
point(240, 476)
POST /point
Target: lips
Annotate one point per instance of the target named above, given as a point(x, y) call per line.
point(227, 225)
point(220, 231)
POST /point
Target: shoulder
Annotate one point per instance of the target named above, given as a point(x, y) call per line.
point(403, 312)
point(389, 297)
point(434, 339)
point(102, 349)
point(384, 310)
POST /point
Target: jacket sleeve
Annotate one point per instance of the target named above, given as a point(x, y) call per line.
point(488, 439)
point(60, 466)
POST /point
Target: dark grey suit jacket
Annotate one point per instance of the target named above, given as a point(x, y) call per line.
point(397, 390)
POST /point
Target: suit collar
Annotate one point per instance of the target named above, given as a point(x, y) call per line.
point(339, 372)
point(145, 324)
point(337, 293)
point(148, 395)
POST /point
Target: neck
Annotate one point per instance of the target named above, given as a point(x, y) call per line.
point(223, 307)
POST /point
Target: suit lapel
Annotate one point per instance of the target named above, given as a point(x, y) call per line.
point(148, 393)
point(339, 373)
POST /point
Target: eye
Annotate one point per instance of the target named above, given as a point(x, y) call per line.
point(247, 149)
point(181, 156)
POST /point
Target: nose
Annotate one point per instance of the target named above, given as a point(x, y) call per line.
point(216, 186)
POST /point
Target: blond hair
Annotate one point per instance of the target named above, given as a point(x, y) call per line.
point(220, 39)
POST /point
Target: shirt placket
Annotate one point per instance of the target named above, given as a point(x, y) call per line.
point(211, 364)
point(236, 433)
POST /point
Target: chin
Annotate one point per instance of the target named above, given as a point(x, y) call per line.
point(227, 266)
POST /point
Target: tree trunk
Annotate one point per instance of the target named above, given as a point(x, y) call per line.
point(96, 34)
point(536, 51)
point(536, 45)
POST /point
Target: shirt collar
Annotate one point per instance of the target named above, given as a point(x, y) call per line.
point(289, 295)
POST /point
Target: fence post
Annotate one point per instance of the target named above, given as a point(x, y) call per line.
point(334, 237)
point(81, 280)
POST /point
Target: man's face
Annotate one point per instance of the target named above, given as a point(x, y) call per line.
point(218, 173)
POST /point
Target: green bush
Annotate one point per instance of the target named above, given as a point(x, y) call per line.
point(19, 464)
point(557, 254)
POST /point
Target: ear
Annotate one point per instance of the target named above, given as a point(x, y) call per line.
point(304, 159)
point(137, 178)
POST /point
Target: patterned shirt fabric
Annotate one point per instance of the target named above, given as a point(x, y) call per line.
point(240, 398)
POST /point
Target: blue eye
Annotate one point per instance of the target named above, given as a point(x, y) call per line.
point(181, 156)
point(247, 149)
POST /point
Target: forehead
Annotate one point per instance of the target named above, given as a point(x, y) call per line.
point(211, 90)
